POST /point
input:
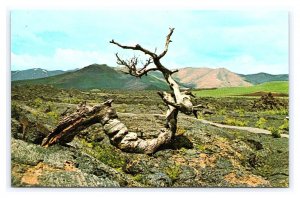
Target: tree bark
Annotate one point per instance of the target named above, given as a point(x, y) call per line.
point(117, 132)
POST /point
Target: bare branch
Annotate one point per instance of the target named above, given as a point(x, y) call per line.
point(148, 62)
point(131, 65)
point(168, 99)
point(174, 71)
point(136, 47)
point(168, 41)
point(198, 107)
point(188, 92)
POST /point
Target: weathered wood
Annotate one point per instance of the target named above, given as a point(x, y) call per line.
point(117, 132)
point(70, 125)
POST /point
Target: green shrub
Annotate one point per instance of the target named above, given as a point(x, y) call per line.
point(276, 133)
point(221, 112)
point(285, 125)
point(180, 131)
point(106, 154)
point(200, 116)
point(109, 157)
point(235, 122)
point(173, 172)
point(261, 123)
point(201, 147)
point(281, 111)
point(37, 102)
point(137, 177)
point(241, 112)
point(53, 115)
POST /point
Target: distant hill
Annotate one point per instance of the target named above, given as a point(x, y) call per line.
point(264, 77)
point(209, 78)
point(33, 74)
point(99, 77)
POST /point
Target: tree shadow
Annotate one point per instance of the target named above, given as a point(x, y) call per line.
point(178, 142)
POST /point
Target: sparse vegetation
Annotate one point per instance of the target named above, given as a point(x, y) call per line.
point(202, 164)
point(37, 102)
point(180, 131)
point(105, 154)
point(173, 171)
point(285, 125)
point(240, 112)
point(276, 133)
point(261, 123)
point(53, 115)
point(138, 177)
point(235, 122)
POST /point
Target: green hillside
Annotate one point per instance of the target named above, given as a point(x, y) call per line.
point(264, 77)
point(98, 77)
point(274, 87)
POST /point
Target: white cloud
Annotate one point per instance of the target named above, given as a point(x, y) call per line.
point(63, 59)
point(246, 64)
point(66, 59)
point(26, 61)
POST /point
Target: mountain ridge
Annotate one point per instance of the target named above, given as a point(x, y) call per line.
point(34, 73)
point(210, 78)
point(98, 76)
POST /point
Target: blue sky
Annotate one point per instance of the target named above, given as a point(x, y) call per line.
point(241, 41)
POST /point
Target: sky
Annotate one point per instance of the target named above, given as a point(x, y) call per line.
point(243, 41)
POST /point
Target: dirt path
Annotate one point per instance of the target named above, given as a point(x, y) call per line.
point(249, 129)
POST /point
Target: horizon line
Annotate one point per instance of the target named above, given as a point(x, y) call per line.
point(192, 67)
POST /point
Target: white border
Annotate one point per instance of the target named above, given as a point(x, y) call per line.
point(290, 5)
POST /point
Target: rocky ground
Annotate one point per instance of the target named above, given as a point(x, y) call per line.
point(201, 155)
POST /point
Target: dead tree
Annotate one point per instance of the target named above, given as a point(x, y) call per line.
point(85, 116)
point(177, 100)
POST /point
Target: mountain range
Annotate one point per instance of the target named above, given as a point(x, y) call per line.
point(33, 74)
point(97, 76)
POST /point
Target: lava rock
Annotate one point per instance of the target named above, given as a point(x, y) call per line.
point(58, 166)
point(158, 180)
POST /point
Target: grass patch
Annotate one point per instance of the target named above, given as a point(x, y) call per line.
point(275, 87)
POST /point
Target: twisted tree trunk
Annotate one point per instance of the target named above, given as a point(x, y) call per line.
point(117, 132)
